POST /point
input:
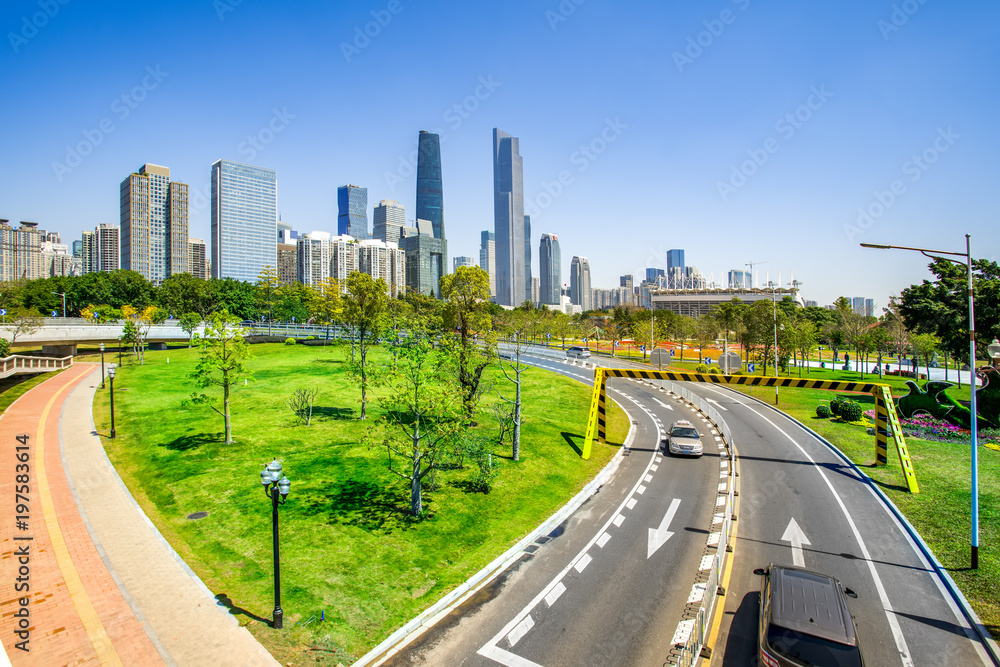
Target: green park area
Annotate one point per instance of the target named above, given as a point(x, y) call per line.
point(351, 552)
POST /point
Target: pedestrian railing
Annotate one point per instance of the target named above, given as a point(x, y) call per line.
point(17, 364)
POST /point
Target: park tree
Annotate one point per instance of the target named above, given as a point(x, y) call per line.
point(267, 291)
point(222, 363)
point(184, 293)
point(706, 328)
point(513, 325)
point(925, 345)
point(729, 317)
point(803, 333)
point(293, 302)
point(759, 323)
point(897, 333)
point(19, 321)
point(237, 297)
point(143, 320)
point(189, 323)
point(422, 410)
point(325, 302)
point(365, 312)
point(469, 336)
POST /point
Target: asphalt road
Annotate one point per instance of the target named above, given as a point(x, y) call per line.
point(610, 585)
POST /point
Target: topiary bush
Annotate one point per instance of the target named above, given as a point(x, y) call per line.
point(714, 371)
point(701, 368)
point(823, 411)
point(737, 373)
point(310, 337)
point(289, 341)
point(835, 405)
point(851, 411)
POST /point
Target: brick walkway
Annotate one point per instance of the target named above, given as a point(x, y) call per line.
point(105, 587)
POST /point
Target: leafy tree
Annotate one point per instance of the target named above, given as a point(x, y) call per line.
point(729, 317)
point(469, 328)
point(190, 322)
point(365, 310)
point(236, 297)
point(897, 334)
point(185, 293)
point(293, 300)
point(267, 291)
point(705, 330)
point(143, 321)
point(759, 323)
point(222, 363)
point(20, 321)
point(925, 345)
point(804, 336)
point(326, 302)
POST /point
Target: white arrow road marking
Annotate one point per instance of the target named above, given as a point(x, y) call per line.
point(716, 404)
point(664, 405)
point(795, 535)
point(659, 536)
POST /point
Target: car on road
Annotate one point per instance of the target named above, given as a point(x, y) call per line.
point(683, 438)
point(577, 352)
point(804, 620)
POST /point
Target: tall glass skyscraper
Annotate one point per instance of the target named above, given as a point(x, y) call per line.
point(430, 196)
point(244, 220)
point(549, 269)
point(508, 220)
point(352, 206)
point(675, 269)
point(527, 258)
point(579, 282)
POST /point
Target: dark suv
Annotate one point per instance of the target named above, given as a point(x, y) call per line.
point(804, 620)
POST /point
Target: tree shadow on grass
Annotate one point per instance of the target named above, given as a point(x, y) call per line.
point(365, 505)
point(227, 602)
point(194, 441)
point(568, 437)
point(333, 413)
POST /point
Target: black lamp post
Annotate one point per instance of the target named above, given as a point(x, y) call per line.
point(276, 484)
point(102, 365)
point(119, 350)
point(111, 381)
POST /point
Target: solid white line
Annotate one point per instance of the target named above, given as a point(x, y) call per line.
point(520, 630)
point(603, 539)
point(551, 598)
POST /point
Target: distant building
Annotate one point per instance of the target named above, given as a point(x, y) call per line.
point(286, 254)
point(812, 304)
point(154, 223)
point(343, 258)
point(536, 290)
point(626, 282)
point(197, 258)
point(383, 260)
point(313, 260)
point(675, 269)
point(78, 248)
point(461, 260)
point(55, 259)
point(549, 270)
point(527, 256)
point(20, 251)
point(244, 220)
point(739, 280)
point(388, 221)
point(579, 281)
point(653, 275)
point(508, 218)
point(487, 258)
point(352, 207)
point(425, 260)
point(697, 302)
point(100, 249)
point(430, 193)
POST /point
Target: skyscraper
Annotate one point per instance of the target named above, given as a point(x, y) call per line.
point(20, 251)
point(653, 274)
point(488, 258)
point(626, 282)
point(313, 258)
point(425, 261)
point(579, 282)
point(549, 270)
point(244, 220)
point(675, 269)
point(352, 205)
point(508, 219)
point(197, 259)
point(154, 223)
point(461, 260)
point(527, 257)
point(388, 221)
point(100, 249)
point(383, 260)
point(430, 196)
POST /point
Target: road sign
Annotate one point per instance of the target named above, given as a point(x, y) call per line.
point(750, 368)
point(730, 362)
point(548, 335)
point(659, 356)
point(3, 311)
point(671, 353)
point(616, 343)
point(642, 348)
point(53, 313)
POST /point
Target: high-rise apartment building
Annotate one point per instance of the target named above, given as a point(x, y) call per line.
point(508, 220)
point(675, 269)
point(430, 195)
point(244, 220)
point(352, 207)
point(388, 221)
point(100, 249)
point(626, 282)
point(461, 260)
point(549, 270)
point(343, 258)
point(154, 223)
point(488, 259)
point(20, 251)
point(383, 260)
point(579, 282)
point(313, 258)
point(197, 259)
point(286, 255)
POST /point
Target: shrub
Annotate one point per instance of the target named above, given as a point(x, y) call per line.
point(714, 371)
point(835, 405)
point(310, 337)
point(289, 341)
point(701, 368)
point(737, 373)
point(851, 411)
point(823, 411)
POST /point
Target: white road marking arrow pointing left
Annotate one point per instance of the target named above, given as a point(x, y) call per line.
point(659, 536)
point(797, 538)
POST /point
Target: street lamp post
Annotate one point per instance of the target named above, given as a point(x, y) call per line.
point(774, 307)
point(994, 350)
point(102, 365)
point(111, 381)
point(276, 484)
point(972, 384)
point(64, 302)
point(119, 350)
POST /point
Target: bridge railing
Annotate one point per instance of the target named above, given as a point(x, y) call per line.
point(22, 363)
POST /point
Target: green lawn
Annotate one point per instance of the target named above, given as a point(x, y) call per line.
point(348, 549)
point(12, 388)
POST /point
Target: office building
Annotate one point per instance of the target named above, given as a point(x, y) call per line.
point(653, 275)
point(197, 258)
point(154, 223)
point(425, 260)
point(487, 258)
point(285, 253)
point(20, 251)
point(549, 270)
point(352, 207)
point(579, 282)
point(536, 288)
point(626, 282)
point(739, 279)
point(527, 254)
point(383, 260)
point(388, 221)
point(675, 269)
point(313, 259)
point(508, 220)
point(863, 306)
point(461, 260)
point(244, 220)
point(430, 195)
point(54, 258)
point(78, 248)
point(100, 249)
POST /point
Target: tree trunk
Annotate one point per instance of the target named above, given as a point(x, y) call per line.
point(226, 416)
point(416, 497)
point(516, 438)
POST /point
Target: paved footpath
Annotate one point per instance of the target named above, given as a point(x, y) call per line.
point(81, 566)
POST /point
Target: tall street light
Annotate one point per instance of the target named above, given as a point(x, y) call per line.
point(276, 484)
point(64, 302)
point(111, 380)
point(774, 306)
point(102, 365)
point(972, 364)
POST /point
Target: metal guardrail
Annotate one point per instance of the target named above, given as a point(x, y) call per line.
point(21, 363)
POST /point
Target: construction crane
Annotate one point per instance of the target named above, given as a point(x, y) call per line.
point(751, 265)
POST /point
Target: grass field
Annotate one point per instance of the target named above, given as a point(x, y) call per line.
point(348, 548)
point(14, 387)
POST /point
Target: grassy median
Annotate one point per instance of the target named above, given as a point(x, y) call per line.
point(349, 551)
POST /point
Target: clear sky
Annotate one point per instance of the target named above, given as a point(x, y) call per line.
point(739, 130)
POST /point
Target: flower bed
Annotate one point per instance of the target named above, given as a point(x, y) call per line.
point(926, 427)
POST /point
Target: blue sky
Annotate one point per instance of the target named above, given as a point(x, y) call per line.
point(738, 130)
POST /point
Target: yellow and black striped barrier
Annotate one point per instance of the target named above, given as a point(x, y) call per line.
point(886, 419)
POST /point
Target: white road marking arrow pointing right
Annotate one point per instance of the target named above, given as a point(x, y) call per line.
point(659, 536)
point(797, 538)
